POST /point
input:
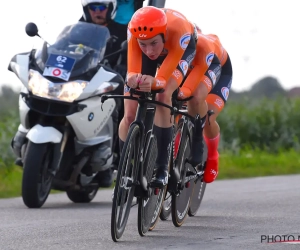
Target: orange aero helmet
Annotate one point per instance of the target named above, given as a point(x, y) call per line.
point(148, 22)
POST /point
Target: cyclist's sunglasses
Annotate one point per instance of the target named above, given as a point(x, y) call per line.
point(101, 7)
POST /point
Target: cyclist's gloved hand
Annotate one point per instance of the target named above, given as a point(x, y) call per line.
point(145, 83)
point(133, 80)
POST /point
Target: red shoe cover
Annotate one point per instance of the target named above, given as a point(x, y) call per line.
point(212, 164)
point(211, 169)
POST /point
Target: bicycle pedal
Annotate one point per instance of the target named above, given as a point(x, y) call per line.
point(200, 173)
point(199, 168)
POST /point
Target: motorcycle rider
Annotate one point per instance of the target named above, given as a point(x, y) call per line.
point(115, 15)
point(102, 12)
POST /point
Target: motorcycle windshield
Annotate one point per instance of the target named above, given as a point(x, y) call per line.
point(78, 48)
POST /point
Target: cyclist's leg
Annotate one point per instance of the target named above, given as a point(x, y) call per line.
point(198, 105)
point(216, 101)
point(163, 132)
point(130, 108)
point(163, 122)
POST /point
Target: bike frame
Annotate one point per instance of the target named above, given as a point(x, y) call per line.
point(144, 99)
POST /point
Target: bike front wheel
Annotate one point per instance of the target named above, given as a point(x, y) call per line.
point(125, 183)
point(149, 206)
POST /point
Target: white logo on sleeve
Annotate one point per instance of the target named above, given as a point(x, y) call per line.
point(225, 93)
point(176, 74)
point(184, 66)
point(209, 58)
point(185, 40)
point(212, 76)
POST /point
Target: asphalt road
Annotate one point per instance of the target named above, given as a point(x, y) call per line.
point(234, 214)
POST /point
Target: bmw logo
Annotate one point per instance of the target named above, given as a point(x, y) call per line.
point(91, 116)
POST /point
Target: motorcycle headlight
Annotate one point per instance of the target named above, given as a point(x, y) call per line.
point(42, 87)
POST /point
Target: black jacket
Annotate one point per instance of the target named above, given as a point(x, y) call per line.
point(119, 31)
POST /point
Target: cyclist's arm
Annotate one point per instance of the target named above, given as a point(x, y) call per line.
point(203, 59)
point(134, 56)
point(176, 45)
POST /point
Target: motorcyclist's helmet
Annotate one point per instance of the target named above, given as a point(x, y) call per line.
point(111, 5)
point(148, 22)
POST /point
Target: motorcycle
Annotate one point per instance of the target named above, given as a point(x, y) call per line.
point(69, 133)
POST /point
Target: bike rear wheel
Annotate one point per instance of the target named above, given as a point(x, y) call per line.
point(197, 196)
point(181, 199)
point(125, 183)
point(198, 189)
point(159, 202)
point(166, 207)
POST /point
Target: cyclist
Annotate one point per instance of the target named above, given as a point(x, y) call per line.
point(161, 38)
point(209, 81)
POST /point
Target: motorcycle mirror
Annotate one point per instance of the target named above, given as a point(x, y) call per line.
point(31, 29)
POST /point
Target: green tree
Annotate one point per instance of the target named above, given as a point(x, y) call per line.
point(267, 87)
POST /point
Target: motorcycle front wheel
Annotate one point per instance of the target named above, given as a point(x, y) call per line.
point(37, 179)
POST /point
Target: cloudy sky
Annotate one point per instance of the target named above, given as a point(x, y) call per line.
point(260, 35)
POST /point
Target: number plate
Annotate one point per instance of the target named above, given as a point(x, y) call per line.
point(59, 66)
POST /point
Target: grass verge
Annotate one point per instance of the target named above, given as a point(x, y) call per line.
point(10, 181)
point(232, 166)
point(258, 163)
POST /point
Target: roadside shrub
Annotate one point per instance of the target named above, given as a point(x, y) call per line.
point(271, 125)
